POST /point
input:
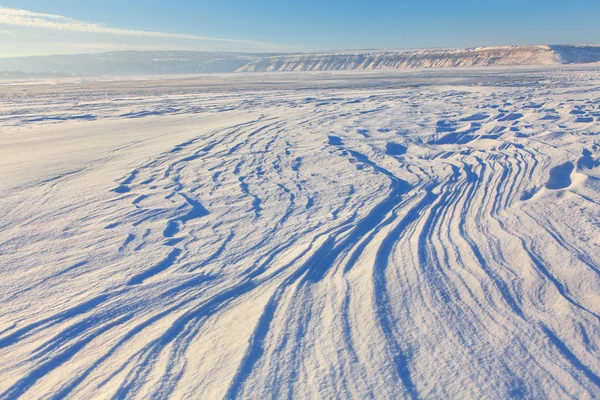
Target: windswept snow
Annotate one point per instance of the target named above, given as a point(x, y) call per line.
point(414, 235)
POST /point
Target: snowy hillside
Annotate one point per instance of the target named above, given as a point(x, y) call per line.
point(418, 235)
point(577, 54)
point(437, 58)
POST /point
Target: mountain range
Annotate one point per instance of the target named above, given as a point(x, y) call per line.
point(193, 62)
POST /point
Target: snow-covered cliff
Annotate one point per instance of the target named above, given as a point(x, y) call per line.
point(431, 58)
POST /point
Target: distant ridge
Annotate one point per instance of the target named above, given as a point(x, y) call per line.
point(194, 62)
point(130, 63)
point(431, 58)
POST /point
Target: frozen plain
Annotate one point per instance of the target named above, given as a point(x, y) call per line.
point(423, 234)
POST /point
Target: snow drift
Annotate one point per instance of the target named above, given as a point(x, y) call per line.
point(361, 236)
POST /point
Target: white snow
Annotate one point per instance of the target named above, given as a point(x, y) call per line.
point(349, 235)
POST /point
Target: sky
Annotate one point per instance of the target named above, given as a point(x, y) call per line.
point(39, 27)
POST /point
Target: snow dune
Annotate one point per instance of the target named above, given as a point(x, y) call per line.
point(323, 236)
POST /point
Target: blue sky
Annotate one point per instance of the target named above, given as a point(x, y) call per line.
point(290, 25)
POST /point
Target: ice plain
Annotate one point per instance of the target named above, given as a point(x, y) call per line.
point(409, 234)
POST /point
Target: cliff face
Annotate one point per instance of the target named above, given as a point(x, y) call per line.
point(436, 58)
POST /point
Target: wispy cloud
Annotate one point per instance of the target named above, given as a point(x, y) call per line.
point(24, 19)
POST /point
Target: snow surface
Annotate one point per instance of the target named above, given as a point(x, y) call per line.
point(413, 235)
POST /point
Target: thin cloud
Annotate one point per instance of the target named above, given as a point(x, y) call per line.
point(29, 19)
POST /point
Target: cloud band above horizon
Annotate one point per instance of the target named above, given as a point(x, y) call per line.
point(23, 27)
